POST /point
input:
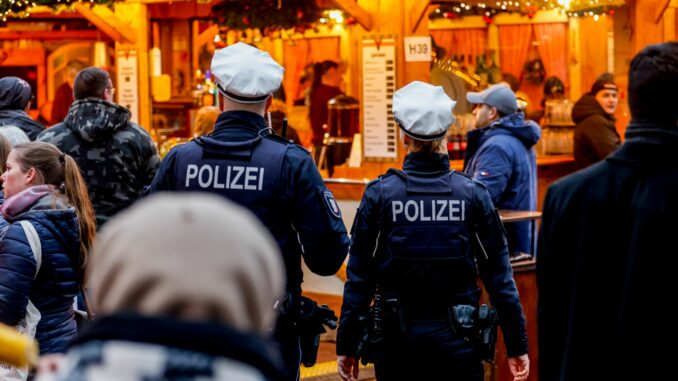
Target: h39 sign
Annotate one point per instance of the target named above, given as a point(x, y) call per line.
point(417, 49)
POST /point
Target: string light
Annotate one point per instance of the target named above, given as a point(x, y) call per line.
point(23, 8)
point(571, 8)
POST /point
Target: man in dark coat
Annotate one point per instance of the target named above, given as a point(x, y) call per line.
point(595, 136)
point(607, 245)
point(15, 101)
point(117, 157)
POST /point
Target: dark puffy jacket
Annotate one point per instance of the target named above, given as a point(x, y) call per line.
point(20, 119)
point(502, 157)
point(594, 136)
point(56, 285)
point(117, 157)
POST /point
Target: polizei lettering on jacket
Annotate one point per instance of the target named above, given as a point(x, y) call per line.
point(225, 177)
point(429, 210)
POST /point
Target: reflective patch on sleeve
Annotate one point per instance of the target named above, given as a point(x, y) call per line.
point(331, 203)
point(484, 173)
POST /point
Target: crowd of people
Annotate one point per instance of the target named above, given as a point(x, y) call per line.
point(202, 277)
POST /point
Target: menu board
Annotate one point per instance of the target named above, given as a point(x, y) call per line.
point(379, 81)
point(128, 83)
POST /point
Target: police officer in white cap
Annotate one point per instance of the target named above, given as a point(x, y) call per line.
point(419, 240)
point(245, 162)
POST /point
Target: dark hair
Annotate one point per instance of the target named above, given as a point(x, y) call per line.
point(5, 147)
point(90, 82)
point(653, 79)
point(56, 168)
point(553, 85)
point(319, 69)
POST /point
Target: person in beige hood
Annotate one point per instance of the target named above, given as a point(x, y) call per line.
point(183, 287)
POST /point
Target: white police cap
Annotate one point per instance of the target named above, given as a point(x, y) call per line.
point(423, 111)
point(245, 74)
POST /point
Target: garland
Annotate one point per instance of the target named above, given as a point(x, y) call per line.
point(266, 15)
point(20, 7)
point(533, 72)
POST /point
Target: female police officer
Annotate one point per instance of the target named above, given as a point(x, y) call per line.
point(419, 240)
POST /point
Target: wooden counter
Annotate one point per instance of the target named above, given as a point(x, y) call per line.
point(349, 183)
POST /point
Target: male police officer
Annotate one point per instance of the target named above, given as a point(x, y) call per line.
point(417, 239)
point(243, 161)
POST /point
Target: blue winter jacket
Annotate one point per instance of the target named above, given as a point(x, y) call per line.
point(502, 156)
point(56, 285)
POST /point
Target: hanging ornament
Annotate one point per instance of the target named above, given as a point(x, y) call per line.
point(263, 14)
point(487, 19)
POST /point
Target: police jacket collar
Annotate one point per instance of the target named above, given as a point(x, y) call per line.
point(206, 337)
point(236, 124)
point(426, 162)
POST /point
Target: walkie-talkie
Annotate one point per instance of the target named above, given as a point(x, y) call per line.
point(283, 130)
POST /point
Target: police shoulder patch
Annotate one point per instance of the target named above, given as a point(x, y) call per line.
point(331, 203)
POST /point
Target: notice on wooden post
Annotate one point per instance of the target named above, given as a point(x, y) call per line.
point(128, 81)
point(379, 83)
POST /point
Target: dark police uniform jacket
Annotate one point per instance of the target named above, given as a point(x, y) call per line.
point(275, 179)
point(415, 236)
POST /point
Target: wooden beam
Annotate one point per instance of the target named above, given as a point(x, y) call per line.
point(104, 19)
point(51, 35)
point(663, 5)
point(417, 13)
point(356, 11)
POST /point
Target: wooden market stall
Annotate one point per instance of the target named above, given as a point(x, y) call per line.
point(158, 53)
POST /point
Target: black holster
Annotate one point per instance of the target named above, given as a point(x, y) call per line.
point(476, 325)
point(310, 320)
point(384, 326)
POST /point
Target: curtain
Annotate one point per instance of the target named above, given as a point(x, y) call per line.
point(299, 53)
point(593, 51)
point(514, 44)
point(468, 43)
point(552, 47)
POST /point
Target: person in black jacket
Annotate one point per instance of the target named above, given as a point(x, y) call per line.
point(595, 136)
point(607, 245)
point(15, 101)
point(419, 240)
point(244, 161)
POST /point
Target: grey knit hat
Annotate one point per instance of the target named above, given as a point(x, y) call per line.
point(195, 257)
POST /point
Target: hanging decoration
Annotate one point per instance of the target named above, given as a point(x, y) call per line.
point(534, 72)
point(489, 9)
point(23, 7)
point(267, 15)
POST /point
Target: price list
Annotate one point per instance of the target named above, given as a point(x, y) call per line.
point(379, 81)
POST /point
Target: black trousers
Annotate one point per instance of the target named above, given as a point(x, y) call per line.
point(287, 340)
point(430, 351)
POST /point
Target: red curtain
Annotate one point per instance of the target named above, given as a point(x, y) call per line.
point(300, 53)
point(469, 43)
point(514, 44)
point(552, 47)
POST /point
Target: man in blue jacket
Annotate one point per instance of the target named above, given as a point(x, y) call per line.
point(501, 155)
point(243, 161)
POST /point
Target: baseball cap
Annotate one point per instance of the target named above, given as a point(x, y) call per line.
point(498, 96)
point(423, 111)
point(245, 74)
